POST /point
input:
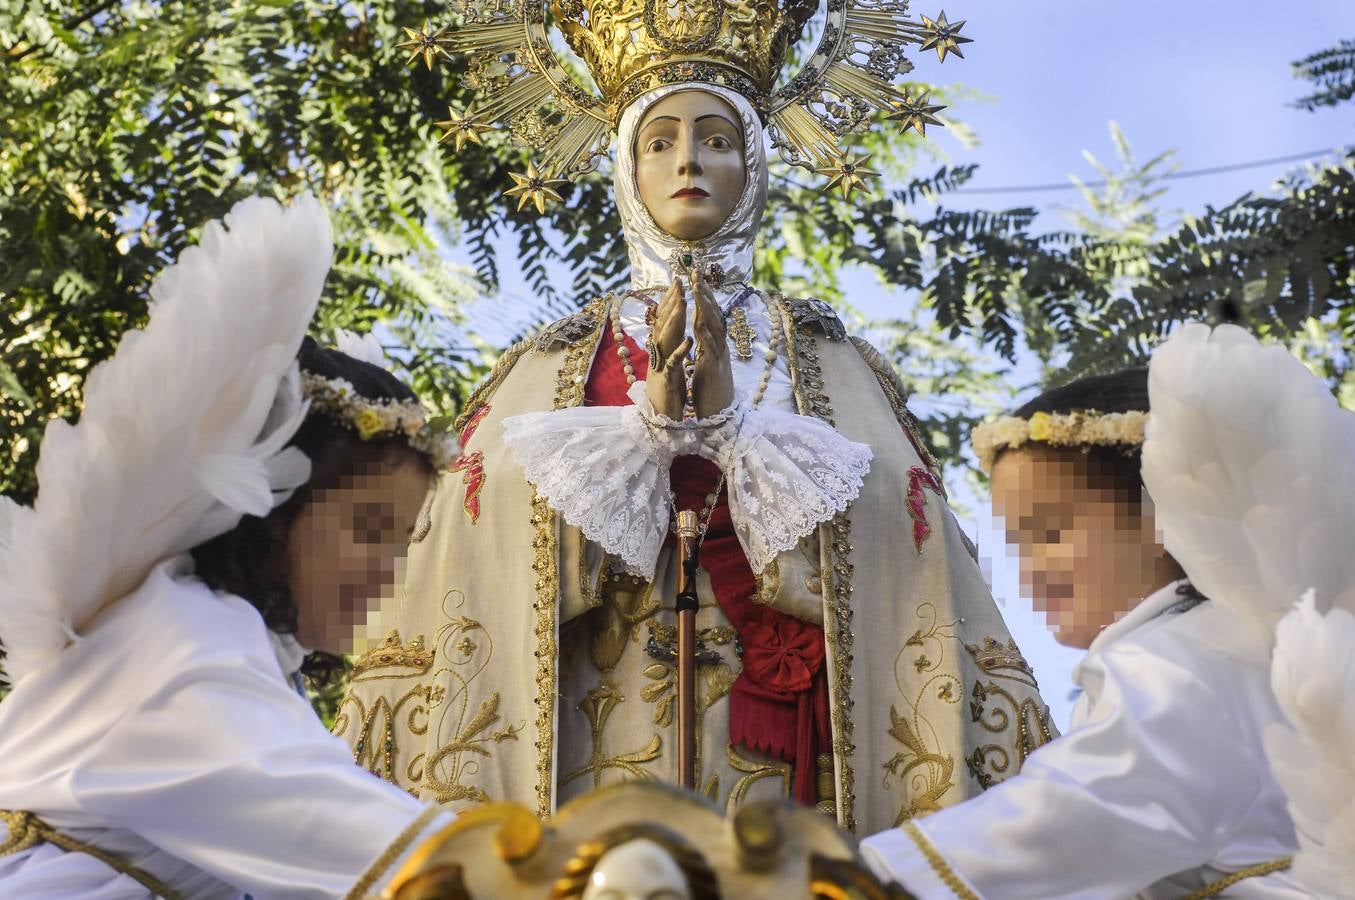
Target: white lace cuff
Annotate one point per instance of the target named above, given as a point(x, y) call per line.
point(605, 470)
point(598, 468)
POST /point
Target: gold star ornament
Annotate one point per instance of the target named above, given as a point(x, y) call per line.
point(848, 175)
point(428, 43)
point(462, 128)
point(534, 187)
point(916, 112)
point(943, 37)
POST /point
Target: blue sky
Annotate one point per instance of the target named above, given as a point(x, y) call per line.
point(1207, 78)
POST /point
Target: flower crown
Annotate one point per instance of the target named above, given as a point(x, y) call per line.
point(1082, 428)
point(338, 399)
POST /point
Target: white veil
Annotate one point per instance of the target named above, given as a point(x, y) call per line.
point(731, 247)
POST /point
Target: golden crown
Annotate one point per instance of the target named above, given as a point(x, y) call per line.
point(633, 46)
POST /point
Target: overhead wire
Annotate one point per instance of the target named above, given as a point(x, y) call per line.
point(1190, 173)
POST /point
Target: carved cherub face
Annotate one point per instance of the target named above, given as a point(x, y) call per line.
point(689, 163)
point(637, 870)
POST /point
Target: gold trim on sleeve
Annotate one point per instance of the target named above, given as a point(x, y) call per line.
point(391, 854)
point(1216, 888)
point(26, 830)
point(949, 877)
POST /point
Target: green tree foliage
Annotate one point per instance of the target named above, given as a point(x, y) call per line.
point(126, 124)
point(1332, 72)
point(1101, 295)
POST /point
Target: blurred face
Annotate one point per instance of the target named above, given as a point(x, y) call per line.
point(1087, 557)
point(344, 545)
point(689, 163)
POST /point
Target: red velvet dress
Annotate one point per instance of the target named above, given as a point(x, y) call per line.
point(778, 705)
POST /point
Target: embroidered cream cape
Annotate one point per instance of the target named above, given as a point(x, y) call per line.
point(518, 667)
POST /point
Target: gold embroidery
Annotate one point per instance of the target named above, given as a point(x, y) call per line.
point(714, 681)
point(996, 659)
point(390, 855)
point(598, 706)
point(570, 382)
point(754, 771)
point(1216, 888)
point(25, 830)
point(624, 605)
point(502, 366)
point(1032, 719)
point(935, 632)
point(547, 650)
point(378, 757)
point(467, 739)
point(926, 771)
point(948, 876)
point(810, 399)
point(445, 772)
point(572, 378)
point(928, 774)
point(741, 333)
point(768, 584)
point(392, 654)
point(897, 395)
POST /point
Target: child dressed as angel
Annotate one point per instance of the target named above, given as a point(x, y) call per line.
point(218, 513)
point(1190, 753)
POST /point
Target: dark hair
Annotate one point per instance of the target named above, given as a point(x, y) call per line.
point(1116, 468)
point(251, 560)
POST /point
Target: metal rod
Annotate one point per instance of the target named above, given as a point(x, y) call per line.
point(687, 604)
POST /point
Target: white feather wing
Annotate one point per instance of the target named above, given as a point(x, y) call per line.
point(1251, 466)
point(1313, 758)
point(182, 429)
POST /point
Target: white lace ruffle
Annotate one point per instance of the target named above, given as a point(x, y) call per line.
point(596, 466)
point(605, 470)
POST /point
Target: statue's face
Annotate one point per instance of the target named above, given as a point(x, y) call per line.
point(689, 163)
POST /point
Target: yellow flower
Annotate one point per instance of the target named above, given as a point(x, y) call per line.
point(1041, 426)
point(368, 423)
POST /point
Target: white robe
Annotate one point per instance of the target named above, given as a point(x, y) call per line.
point(1159, 787)
point(169, 736)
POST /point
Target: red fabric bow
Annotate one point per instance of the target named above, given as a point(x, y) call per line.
point(782, 653)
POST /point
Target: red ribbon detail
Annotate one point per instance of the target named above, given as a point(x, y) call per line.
point(472, 466)
point(918, 478)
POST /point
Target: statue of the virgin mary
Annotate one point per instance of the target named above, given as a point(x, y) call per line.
point(850, 655)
